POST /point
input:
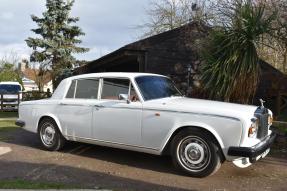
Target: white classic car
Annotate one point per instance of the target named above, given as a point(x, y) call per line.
point(146, 113)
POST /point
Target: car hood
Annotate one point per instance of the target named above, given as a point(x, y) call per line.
point(200, 106)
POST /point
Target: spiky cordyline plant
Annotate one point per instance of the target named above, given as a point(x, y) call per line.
point(231, 70)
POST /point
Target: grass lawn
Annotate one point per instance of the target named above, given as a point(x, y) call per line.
point(24, 184)
point(6, 126)
point(8, 114)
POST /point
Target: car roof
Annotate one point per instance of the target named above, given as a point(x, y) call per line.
point(59, 93)
point(10, 83)
point(113, 74)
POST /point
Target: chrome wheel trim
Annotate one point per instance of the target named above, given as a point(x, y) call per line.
point(47, 134)
point(193, 153)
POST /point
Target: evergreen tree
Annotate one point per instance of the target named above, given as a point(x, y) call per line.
point(58, 40)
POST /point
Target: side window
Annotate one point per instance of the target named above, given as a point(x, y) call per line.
point(71, 90)
point(113, 87)
point(133, 95)
point(87, 89)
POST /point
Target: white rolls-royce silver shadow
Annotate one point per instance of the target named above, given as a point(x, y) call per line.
point(146, 113)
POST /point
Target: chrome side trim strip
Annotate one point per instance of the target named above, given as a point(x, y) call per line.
point(162, 110)
point(193, 113)
point(173, 111)
point(108, 142)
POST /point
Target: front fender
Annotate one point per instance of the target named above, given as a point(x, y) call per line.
point(192, 124)
point(227, 131)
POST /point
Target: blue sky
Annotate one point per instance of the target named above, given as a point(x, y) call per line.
point(108, 24)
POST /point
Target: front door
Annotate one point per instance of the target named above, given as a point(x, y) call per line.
point(117, 115)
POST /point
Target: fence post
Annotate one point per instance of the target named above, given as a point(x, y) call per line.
point(1, 102)
point(278, 104)
point(18, 100)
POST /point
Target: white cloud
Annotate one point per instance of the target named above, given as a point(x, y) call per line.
point(108, 24)
point(7, 15)
point(14, 50)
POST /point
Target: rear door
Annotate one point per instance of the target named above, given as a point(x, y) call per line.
point(75, 111)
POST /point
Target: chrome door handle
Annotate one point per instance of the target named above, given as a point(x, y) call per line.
point(63, 104)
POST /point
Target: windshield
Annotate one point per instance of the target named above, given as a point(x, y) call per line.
point(155, 87)
point(9, 88)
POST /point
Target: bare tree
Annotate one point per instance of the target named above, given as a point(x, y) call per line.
point(274, 47)
point(164, 15)
point(10, 58)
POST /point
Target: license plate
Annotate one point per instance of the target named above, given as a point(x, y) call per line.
point(263, 154)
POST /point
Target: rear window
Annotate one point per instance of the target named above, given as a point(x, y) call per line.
point(9, 88)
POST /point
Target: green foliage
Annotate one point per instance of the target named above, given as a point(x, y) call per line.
point(65, 73)
point(35, 95)
point(58, 40)
point(232, 68)
point(8, 73)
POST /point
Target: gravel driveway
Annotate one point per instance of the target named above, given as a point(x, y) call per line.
point(99, 167)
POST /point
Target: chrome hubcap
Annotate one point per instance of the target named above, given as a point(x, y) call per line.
point(48, 134)
point(193, 153)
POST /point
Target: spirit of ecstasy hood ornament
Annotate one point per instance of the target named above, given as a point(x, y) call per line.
point(262, 103)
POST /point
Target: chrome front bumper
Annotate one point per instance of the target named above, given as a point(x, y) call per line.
point(253, 152)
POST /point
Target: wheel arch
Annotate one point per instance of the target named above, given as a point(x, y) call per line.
point(207, 129)
point(51, 116)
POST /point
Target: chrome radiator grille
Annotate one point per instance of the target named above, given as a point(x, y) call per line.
point(262, 115)
point(263, 126)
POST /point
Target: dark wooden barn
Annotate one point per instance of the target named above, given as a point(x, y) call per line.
point(175, 53)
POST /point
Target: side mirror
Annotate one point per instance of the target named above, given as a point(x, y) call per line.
point(124, 97)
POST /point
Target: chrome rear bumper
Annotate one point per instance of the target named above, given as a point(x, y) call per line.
point(20, 123)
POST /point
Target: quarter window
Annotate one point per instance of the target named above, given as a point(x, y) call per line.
point(71, 90)
point(133, 95)
point(112, 88)
point(87, 89)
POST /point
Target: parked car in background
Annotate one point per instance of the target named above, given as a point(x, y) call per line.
point(10, 95)
point(146, 113)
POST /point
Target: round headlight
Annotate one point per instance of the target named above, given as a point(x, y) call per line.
point(252, 131)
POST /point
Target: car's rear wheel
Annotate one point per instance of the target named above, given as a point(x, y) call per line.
point(195, 152)
point(50, 136)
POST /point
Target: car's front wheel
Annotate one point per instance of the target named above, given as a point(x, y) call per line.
point(195, 152)
point(50, 136)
